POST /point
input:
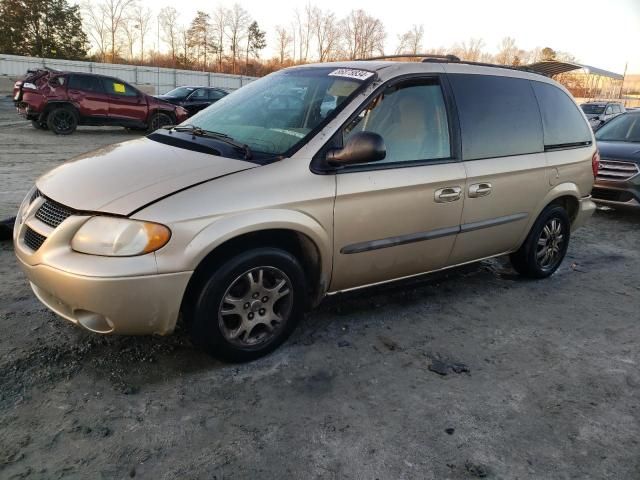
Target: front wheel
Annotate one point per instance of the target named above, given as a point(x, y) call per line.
point(546, 245)
point(159, 120)
point(249, 305)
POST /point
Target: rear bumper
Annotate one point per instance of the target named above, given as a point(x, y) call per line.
point(586, 207)
point(136, 305)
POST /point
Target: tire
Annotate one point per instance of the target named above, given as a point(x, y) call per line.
point(159, 120)
point(546, 245)
point(238, 321)
point(39, 125)
point(62, 120)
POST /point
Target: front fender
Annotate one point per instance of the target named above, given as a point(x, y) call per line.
point(224, 228)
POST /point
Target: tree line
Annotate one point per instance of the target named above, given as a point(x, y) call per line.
point(225, 39)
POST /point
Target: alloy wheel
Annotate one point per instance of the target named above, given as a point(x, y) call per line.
point(255, 307)
point(549, 251)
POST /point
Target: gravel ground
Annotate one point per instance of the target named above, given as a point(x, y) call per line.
point(542, 377)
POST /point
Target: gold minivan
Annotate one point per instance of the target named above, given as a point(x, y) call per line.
point(310, 181)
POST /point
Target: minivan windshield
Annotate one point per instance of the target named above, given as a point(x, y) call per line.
point(273, 114)
point(623, 128)
point(592, 109)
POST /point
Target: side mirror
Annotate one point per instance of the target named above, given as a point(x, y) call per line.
point(362, 147)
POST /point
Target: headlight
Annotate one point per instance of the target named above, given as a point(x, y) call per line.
point(119, 237)
point(29, 85)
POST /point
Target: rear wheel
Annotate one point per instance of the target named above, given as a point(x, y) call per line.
point(39, 125)
point(250, 305)
point(159, 120)
point(62, 120)
point(546, 245)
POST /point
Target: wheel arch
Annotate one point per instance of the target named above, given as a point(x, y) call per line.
point(50, 106)
point(310, 247)
point(565, 194)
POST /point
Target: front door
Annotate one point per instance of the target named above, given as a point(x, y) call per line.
point(126, 104)
point(399, 216)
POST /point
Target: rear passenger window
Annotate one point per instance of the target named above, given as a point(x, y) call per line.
point(411, 118)
point(84, 83)
point(499, 116)
point(562, 122)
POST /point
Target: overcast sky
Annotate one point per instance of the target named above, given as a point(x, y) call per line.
point(601, 33)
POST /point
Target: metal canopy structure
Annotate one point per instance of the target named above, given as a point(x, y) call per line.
point(583, 81)
point(554, 67)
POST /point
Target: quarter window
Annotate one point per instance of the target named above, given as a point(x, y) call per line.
point(215, 95)
point(411, 118)
point(84, 83)
point(562, 121)
point(499, 116)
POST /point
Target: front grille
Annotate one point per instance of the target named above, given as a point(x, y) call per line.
point(616, 170)
point(33, 239)
point(611, 195)
point(52, 213)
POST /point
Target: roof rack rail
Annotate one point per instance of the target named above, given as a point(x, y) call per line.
point(427, 57)
point(423, 56)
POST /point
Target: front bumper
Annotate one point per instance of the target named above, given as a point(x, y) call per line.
point(127, 305)
point(125, 295)
point(625, 195)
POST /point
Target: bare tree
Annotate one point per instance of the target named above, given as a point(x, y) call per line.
point(96, 25)
point(303, 26)
point(109, 16)
point(283, 43)
point(142, 17)
point(131, 33)
point(364, 35)
point(327, 33)
point(470, 50)
point(184, 45)
point(411, 40)
point(168, 18)
point(507, 51)
point(220, 16)
point(236, 31)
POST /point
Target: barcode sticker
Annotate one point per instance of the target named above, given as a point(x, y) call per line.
point(351, 73)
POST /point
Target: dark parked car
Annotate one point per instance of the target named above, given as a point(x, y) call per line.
point(60, 101)
point(618, 180)
point(194, 99)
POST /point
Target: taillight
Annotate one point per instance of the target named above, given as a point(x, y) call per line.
point(595, 163)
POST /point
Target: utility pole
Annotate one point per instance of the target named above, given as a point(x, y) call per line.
point(624, 75)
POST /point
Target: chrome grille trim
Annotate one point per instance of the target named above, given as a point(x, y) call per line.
point(52, 213)
point(33, 239)
point(616, 170)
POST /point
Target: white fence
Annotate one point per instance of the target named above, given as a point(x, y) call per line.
point(161, 79)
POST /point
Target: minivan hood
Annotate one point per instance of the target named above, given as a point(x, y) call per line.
point(121, 178)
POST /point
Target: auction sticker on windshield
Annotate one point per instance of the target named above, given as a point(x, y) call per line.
point(351, 73)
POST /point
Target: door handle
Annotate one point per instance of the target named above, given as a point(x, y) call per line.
point(447, 194)
point(479, 190)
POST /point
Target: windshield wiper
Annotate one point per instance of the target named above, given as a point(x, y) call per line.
point(200, 132)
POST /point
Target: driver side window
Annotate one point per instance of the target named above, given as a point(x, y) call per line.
point(411, 117)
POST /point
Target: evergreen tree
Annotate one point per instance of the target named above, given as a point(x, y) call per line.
point(42, 28)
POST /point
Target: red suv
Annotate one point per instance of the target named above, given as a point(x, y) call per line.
point(60, 101)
